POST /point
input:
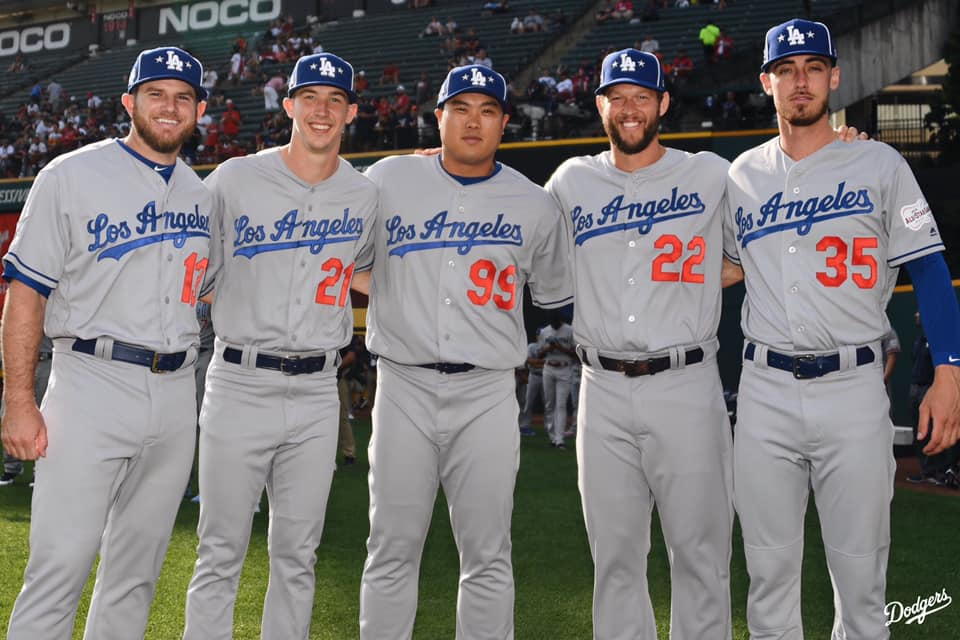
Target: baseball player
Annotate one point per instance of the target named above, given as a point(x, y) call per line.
point(653, 427)
point(460, 235)
point(534, 388)
point(292, 226)
point(817, 227)
point(107, 260)
point(558, 352)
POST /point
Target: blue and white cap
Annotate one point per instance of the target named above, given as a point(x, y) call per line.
point(322, 69)
point(167, 63)
point(473, 78)
point(630, 66)
point(798, 37)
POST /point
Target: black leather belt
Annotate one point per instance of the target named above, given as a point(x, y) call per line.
point(292, 366)
point(155, 361)
point(634, 368)
point(807, 365)
point(449, 367)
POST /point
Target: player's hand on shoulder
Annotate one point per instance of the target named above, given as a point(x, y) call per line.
point(24, 431)
point(850, 134)
point(940, 410)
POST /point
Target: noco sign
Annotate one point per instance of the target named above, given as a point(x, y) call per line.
point(41, 37)
point(198, 16)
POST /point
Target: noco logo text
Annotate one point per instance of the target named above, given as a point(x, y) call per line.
point(196, 16)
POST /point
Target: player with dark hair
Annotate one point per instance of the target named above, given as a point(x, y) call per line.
point(460, 235)
point(107, 260)
point(291, 227)
point(646, 227)
point(820, 229)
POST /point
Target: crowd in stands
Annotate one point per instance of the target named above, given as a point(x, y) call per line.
point(52, 122)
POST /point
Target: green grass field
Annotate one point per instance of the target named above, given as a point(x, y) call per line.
point(551, 561)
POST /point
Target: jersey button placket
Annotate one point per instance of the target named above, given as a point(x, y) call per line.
point(791, 264)
point(631, 266)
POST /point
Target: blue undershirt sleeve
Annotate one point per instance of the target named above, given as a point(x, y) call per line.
point(939, 310)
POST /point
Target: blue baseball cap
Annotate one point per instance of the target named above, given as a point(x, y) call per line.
point(630, 66)
point(473, 78)
point(797, 37)
point(167, 63)
point(322, 69)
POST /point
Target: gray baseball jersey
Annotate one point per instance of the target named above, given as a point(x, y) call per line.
point(282, 258)
point(819, 241)
point(647, 249)
point(647, 259)
point(489, 241)
point(121, 253)
point(818, 238)
point(94, 248)
point(299, 305)
point(451, 262)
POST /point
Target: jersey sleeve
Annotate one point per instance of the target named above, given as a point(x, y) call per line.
point(217, 233)
point(912, 230)
point(731, 249)
point(367, 244)
point(38, 252)
point(551, 278)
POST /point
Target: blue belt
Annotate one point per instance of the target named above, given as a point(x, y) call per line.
point(449, 367)
point(808, 365)
point(156, 362)
point(292, 366)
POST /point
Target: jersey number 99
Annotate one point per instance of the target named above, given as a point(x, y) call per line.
point(484, 275)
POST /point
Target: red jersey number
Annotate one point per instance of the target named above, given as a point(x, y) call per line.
point(194, 270)
point(500, 286)
point(662, 272)
point(334, 268)
point(837, 250)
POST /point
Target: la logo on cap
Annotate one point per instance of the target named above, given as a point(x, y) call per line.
point(626, 63)
point(477, 78)
point(795, 37)
point(174, 63)
point(326, 68)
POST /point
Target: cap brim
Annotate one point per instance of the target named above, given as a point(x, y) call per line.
point(319, 83)
point(602, 88)
point(766, 65)
point(503, 103)
point(200, 91)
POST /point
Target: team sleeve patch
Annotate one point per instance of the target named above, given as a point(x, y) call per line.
point(916, 214)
